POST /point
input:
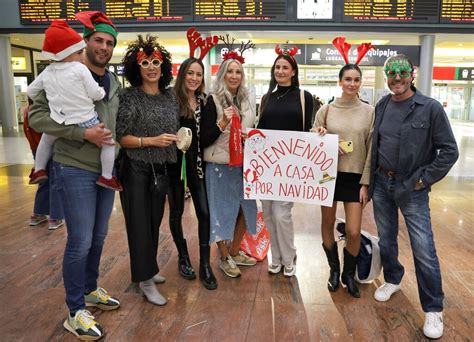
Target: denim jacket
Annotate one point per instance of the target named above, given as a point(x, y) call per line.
point(427, 145)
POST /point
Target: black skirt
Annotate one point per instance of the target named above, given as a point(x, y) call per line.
point(347, 187)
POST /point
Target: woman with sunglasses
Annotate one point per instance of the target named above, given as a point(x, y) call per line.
point(146, 125)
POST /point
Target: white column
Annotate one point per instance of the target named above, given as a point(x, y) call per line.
point(425, 72)
point(7, 92)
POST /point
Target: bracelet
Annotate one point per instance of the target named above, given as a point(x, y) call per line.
point(219, 126)
point(140, 142)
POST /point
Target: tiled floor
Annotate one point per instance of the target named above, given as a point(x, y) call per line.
point(255, 307)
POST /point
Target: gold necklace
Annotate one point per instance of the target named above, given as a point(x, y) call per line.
point(286, 92)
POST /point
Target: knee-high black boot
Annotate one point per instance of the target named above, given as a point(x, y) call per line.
point(348, 274)
point(184, 264)
point(208, 279)
point(335, 268)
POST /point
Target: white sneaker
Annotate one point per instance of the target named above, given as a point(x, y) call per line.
point(289, 270)
point(229, 267)
point(84, 326)
point(433, 327)
point(384, 292)
point(274, 268)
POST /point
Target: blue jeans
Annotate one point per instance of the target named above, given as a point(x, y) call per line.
point(87, 209)
point(416, 213)
point(47, 201)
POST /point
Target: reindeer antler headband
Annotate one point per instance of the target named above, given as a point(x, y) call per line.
point(286, 51)
point(195, 41)
point(238, 55)
point(343, 47)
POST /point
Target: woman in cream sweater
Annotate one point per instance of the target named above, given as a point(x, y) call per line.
point(353, 121)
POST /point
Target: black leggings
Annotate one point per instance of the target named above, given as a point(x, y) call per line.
point(197, 187)
point(143, 210)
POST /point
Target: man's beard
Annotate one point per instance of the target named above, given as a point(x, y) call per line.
point(94, 61)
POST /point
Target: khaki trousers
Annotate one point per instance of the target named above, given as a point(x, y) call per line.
point(279, 222)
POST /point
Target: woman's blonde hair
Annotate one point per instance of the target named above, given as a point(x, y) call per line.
point(223, 95)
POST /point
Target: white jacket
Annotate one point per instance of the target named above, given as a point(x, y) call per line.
point(218, 152)
point(71, 91)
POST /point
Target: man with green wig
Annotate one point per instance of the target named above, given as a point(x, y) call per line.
point(413, 148)
point(76, 168)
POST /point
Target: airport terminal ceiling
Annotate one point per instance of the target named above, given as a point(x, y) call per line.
point(263, 21)
point(449, 48)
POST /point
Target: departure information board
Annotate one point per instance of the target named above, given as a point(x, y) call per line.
point(421, 11)
point(456, 11)
point(125, 11)
point(38, 12)
point(242, 10)
point(41, 12)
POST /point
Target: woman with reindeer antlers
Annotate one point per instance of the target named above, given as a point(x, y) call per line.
point(228, 112)
point(353, 121)
point(189, 90)
point(284, 107)
point(147, 121)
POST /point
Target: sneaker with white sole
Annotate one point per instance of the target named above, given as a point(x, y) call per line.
point(37, 219)
point(83, 326)
point(384, 292)
point(229, 267)
point(55, 224)
point(289, 270)
point(433, 327)
point(274, 268)
point(99, 298)
point(242, 259)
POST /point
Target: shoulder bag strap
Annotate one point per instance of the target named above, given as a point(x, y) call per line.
point(302, 105)
point(326, 112)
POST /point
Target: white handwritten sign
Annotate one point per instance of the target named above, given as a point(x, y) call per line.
point(290, 166)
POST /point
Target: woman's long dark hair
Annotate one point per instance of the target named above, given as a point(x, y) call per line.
point(132, 69)
point(185, 109)
point(295, 82)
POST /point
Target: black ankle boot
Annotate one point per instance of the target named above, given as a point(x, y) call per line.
point(335, 268)
point(348, 274)
point(208, 279)
point(184, 264)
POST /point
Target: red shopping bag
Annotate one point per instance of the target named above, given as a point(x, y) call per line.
point(257, 245)
point(236, 153)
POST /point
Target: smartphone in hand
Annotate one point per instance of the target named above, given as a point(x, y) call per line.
point(346, 146)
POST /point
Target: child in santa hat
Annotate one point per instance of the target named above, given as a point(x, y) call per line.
point(71, 91)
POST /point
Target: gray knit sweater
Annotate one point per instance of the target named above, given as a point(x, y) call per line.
point(144, 115)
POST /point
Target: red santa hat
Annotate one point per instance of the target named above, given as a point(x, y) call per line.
point(255, 132)
point(61, 41)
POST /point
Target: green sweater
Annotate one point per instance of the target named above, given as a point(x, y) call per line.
point(71, 149)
